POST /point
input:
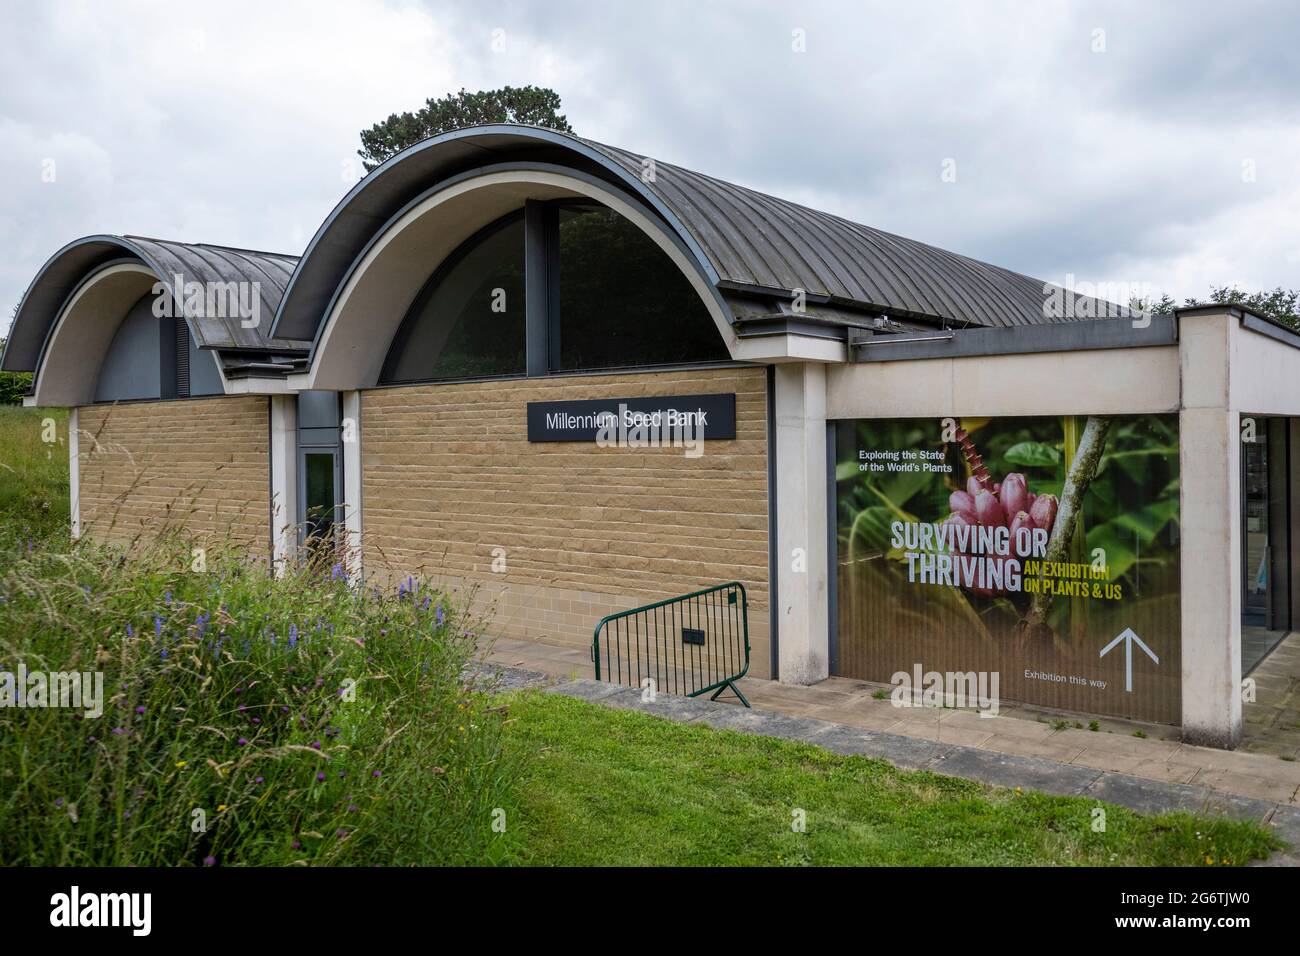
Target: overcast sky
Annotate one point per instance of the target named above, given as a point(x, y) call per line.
point(1153, 144)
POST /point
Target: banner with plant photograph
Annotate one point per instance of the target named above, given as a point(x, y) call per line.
point(1043, 550)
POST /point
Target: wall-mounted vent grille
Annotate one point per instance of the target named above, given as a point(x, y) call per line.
point(182, 359)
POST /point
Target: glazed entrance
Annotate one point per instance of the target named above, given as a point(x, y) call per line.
point(1267, 595)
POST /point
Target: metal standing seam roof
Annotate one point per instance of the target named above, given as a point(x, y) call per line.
point(64, 272)
point(222, 264)
point(745, 241)
point(756, 240)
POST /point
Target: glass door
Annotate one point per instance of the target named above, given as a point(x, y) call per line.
point(320, 483)
point(1254, 527)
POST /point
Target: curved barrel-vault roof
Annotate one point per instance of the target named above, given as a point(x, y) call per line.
point(746, 242)
point(68, 268)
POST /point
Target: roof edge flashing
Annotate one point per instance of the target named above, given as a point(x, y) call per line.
point(1148, 331)
point(288, 324)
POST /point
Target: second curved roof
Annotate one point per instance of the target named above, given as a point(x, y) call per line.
point(746, 241)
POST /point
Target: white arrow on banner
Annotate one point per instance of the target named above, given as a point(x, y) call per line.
point(1129, 639)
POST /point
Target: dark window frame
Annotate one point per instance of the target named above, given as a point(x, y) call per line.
point(313, 441)
point(429, 289)
point(542, 318)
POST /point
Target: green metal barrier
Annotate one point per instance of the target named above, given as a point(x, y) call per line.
point(686, 645)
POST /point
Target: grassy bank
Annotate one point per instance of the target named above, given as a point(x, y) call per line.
point(33, 473)
point(610, 787)
point(245, 720)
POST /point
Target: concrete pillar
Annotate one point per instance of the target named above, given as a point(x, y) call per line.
point(284, 481)
point(1210, 464)
point(351, 442)
point(801, 600)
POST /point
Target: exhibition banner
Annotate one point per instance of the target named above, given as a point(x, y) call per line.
point(1034, 558)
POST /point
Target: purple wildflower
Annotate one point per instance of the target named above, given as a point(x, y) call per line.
point(139, 708)
point(209, 861)
point(242, 741)
point(321, 776)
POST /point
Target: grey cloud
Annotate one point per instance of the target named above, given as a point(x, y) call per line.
point(233, 122)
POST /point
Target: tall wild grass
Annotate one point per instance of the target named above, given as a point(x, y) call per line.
point(34, 472)
point(246, 720)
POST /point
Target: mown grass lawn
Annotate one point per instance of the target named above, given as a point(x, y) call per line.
point(613, 787)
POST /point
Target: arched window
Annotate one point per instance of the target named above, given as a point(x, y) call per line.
point(605, 296)
point(621, 300)
point(468, 320)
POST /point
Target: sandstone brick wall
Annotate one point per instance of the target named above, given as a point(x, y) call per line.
point(449, 475)
point(202, 464)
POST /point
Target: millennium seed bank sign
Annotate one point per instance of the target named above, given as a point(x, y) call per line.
point(659, 419)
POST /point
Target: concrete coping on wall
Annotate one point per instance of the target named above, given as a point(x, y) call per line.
point(1143, 331)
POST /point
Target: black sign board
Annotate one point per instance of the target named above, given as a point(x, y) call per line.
point(663, 419)
point(693, 635)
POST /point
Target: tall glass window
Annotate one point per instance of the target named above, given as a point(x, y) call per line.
point(321, 512)
point(320, 485)
point(622, 301)
point(468, 321)
point(605, 296)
